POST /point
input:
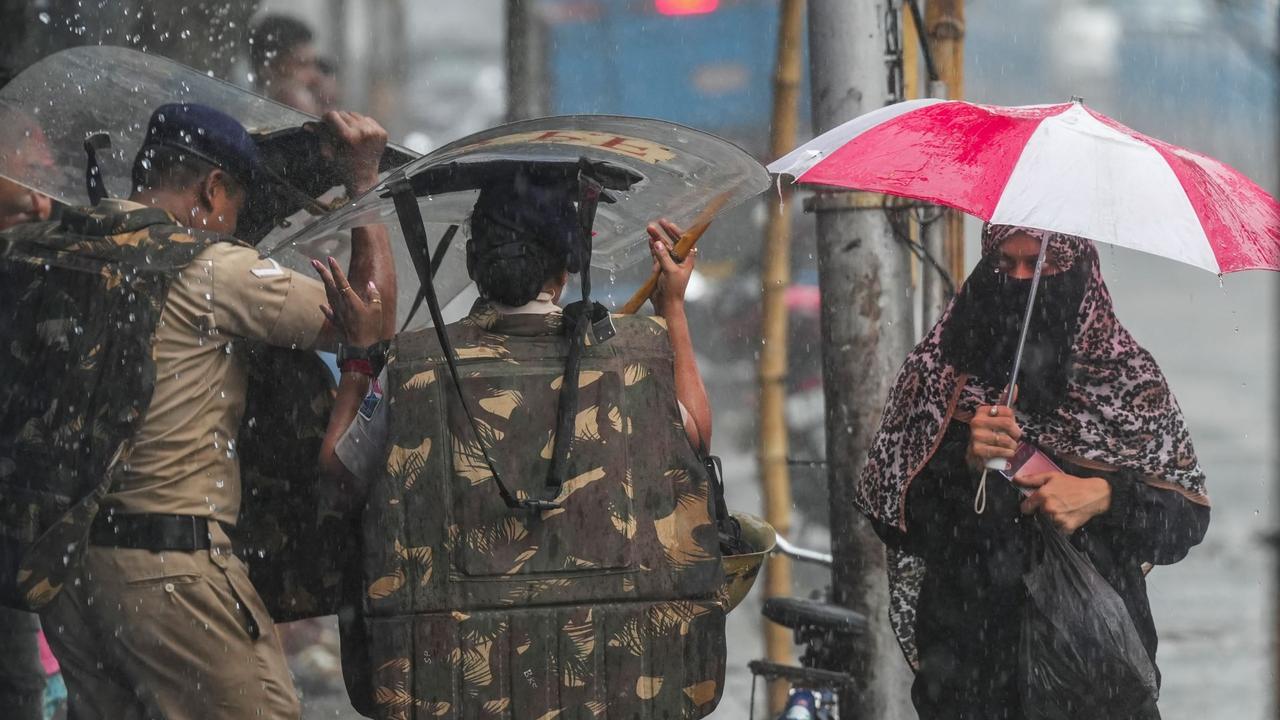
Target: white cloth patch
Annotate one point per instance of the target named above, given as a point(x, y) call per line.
point(274, 271)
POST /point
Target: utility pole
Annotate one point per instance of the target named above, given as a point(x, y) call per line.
point(387, 65)
point(336, 16)
point(523, 77)
point(934, 291)
point(865, 275)
point(944, 29)
point(775, 276)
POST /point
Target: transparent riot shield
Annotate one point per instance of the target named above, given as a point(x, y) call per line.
point(682, 171)
point(77, 93)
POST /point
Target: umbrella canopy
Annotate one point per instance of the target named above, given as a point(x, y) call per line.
point(1064, 168)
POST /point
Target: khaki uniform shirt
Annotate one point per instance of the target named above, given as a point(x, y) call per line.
point(182, 460)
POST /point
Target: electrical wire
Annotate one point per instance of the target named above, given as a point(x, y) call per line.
point(896, 214)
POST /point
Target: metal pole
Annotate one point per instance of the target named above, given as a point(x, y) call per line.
point(387, 60)
point(1026, 325)
point(864, 274)
point(933, 288)
point(521, 90)
point(337, 14)
point(944, 28)
point(910, 91)
point(775, 276)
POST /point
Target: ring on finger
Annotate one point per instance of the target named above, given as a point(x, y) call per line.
point(344, 289)
point(376, 300)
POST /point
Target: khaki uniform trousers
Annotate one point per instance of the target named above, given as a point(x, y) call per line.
point(144, 635)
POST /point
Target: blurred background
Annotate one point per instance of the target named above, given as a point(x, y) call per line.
point(1197, 73)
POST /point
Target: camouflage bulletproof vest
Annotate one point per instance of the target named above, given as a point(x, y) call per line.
point(611, 605)
point(79, 304)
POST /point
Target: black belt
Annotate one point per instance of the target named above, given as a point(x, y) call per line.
point(185, 533)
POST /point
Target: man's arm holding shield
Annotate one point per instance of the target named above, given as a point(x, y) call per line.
point(255, 298)
point(356, 145)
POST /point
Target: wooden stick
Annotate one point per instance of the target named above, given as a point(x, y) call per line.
point(775, 277)
point(685, 243)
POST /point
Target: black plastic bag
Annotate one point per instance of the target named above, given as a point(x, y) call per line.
point(1081, 655)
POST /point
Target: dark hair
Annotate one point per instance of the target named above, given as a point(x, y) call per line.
point(509, 266)
point(161, 166)
point(276, 35)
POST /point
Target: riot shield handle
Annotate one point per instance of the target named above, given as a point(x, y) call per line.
point(93, 181)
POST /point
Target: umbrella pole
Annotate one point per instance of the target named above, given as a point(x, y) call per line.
point(980, 499)
point(1026, 323)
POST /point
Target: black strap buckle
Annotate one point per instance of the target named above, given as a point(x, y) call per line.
point(602, 325)
point(93, 180)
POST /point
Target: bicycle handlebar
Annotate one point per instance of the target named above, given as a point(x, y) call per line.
point(785, 547)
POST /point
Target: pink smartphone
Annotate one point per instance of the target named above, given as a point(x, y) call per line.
point(1028, 460)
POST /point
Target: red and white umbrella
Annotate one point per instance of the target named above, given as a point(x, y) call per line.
point(1063, 168)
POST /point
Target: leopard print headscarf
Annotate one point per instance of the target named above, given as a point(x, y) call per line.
point(1119, 414)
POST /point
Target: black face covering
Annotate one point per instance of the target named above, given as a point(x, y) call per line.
point(981, 337)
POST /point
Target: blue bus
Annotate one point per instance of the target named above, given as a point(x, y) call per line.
point(704, 63)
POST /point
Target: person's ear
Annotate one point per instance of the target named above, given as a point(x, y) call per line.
point(212, 189)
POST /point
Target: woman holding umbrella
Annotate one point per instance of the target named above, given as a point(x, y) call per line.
point(1131, 492)
point(1125, 483)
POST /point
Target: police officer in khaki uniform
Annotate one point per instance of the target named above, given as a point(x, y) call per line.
point(160, 620)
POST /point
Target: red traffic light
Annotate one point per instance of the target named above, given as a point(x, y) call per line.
point(685, 7)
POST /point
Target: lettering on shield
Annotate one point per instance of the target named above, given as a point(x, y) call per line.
point(639, 148)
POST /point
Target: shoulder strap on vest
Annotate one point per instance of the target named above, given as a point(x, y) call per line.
point(415, 235)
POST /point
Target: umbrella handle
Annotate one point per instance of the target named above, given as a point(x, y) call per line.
point(980, 498)
point(686, 243)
